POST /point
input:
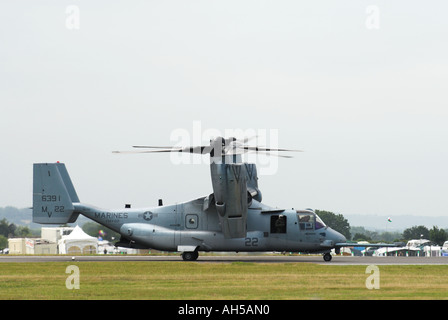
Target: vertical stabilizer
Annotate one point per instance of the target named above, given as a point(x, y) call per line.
point(53, 194)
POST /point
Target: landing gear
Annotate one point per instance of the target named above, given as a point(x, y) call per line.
point(190, 255)
point(327, 257)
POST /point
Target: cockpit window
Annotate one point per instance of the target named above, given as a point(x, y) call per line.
point(308, 220)
point(319, 222)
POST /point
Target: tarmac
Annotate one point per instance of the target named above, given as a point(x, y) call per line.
point(337, 260)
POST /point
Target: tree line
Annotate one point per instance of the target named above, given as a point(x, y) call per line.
point(10, 230)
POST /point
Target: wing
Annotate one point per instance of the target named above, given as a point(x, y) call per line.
point(356, 244)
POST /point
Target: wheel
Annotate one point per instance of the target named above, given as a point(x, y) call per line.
point(327, 257)
point(190, 255)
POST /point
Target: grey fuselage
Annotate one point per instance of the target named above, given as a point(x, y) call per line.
point(195, 226)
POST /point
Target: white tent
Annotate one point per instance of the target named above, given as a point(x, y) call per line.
point(78, 242)
point(395, 251)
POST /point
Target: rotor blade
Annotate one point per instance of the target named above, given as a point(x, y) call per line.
point(155, 147)
point(149, 151)
point(272, 154)
point(235, 147)
point(236, 151)
point(197, 150)
point(256, 149)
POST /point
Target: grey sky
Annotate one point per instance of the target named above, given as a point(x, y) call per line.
point(369, 106)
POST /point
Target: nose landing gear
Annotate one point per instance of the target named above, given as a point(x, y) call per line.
point(327, 257)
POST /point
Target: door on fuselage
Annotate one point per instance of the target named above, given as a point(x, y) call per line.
point(278, 232)
point(278, 224)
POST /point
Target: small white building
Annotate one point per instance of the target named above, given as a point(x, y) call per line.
point(53, 234)
point(31, 246)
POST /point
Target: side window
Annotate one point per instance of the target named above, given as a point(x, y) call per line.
point(191, 221)
point(278, 224)
point(306, 221)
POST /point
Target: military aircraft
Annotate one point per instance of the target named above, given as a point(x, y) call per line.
point(231, 218)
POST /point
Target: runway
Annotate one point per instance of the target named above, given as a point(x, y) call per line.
point(337, 260)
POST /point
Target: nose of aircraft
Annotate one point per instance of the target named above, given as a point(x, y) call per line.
point(335, 236)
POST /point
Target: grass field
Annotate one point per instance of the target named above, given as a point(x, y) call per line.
point(201, 281)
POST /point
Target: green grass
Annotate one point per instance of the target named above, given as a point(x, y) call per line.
point(239, 280)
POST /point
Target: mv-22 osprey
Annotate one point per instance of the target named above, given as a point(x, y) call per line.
point(232, 218)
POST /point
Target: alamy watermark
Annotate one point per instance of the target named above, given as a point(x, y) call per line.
point(267, 161)
point(373, 17)
point(72, 18)
point(72, 281)
point(373, 280)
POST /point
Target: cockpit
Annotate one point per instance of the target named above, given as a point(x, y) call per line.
point(308, 220)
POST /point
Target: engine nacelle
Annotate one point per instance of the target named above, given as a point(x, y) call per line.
point(230, 193)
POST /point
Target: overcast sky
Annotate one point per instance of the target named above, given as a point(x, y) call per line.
point(360, 86)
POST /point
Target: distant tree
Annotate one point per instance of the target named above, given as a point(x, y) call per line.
point(22, 232)
point(437, 235)
point(7, 229)
point(390, 237)
point(335, 221)
point(3, 242)
point(416, 232)
point(4, 227)
point(361, 237)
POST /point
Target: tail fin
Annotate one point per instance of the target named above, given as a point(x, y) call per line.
point(53, 194)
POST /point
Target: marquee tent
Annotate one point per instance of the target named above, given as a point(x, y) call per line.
point(78, 242)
